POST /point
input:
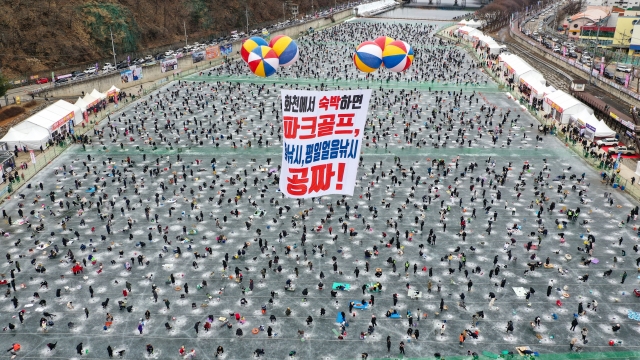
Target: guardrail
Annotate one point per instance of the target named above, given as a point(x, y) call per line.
point(342, 7)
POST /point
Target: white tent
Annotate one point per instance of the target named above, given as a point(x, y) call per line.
point(494, 47)
point(602, 129)
point(518, 67)
point(469, 33)
point(474, 35)
point(464, 30)
point(593, 128)
point(98, 95)
point(112, 94)
point(26, 134)
point(44, 119)
point(68, 107)
point(56, 116)
point(112, 91)
point(80, 103)
point(562, 105)
point(90, 101)
point(471, 23)
point(536, 83)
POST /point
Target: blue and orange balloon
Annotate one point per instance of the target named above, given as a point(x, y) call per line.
point(368, 57)
point(286, 49)
point(250, 44)
point(397, 56)
point(263, 61)
point(383, 41)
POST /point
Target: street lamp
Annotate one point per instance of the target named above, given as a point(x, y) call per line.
point(113, 48)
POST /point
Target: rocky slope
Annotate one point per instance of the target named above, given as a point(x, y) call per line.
point(40, 35)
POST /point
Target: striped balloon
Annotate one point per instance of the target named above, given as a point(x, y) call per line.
point(383, 41)
point(367, 57)
point(397, 56)
point(286, 49)
point(263, 61)
point(250, 44)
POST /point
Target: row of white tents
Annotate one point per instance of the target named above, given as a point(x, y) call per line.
point(472, 23)
point(562, 106)
point(56, 119)
point(474, 35)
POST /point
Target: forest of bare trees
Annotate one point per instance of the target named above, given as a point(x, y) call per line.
point(498, 12)
point(38, 35)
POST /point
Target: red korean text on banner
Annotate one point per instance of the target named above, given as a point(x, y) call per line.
point(322, 141)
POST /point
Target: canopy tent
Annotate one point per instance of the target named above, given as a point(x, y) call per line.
point(469, 33)
point(98, 95)
point(533, 77)
point(517, 67)
point(112, 94)
point(536, 83)
point(59, 115)
point(471, 23)
point(113, 90)
point(464, 30)
point(67, 106)
point(494, 47)
point(592, 127)
point(474, 35)
point(26, 134)
point(562, 105)
point(80, 103)
point(601, 129)
point(83, 108)
point(90, 101)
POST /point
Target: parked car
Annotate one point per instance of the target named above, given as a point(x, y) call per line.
point(607, 142)
point(623, 68)
point(42, 81)
point(608, 74)
point(572, 55)
point(624, 150)
point(168, 53)
point(557, 50)
point(619, 80)
point(150, 63)
point(90, 70)
point(107, 68)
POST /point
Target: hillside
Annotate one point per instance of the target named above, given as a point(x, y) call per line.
point(41, 35)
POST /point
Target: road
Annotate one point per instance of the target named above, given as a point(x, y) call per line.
point(22, 92)
point(556, 77)
point(537, 26)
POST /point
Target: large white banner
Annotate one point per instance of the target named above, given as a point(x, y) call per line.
point(322, 141)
